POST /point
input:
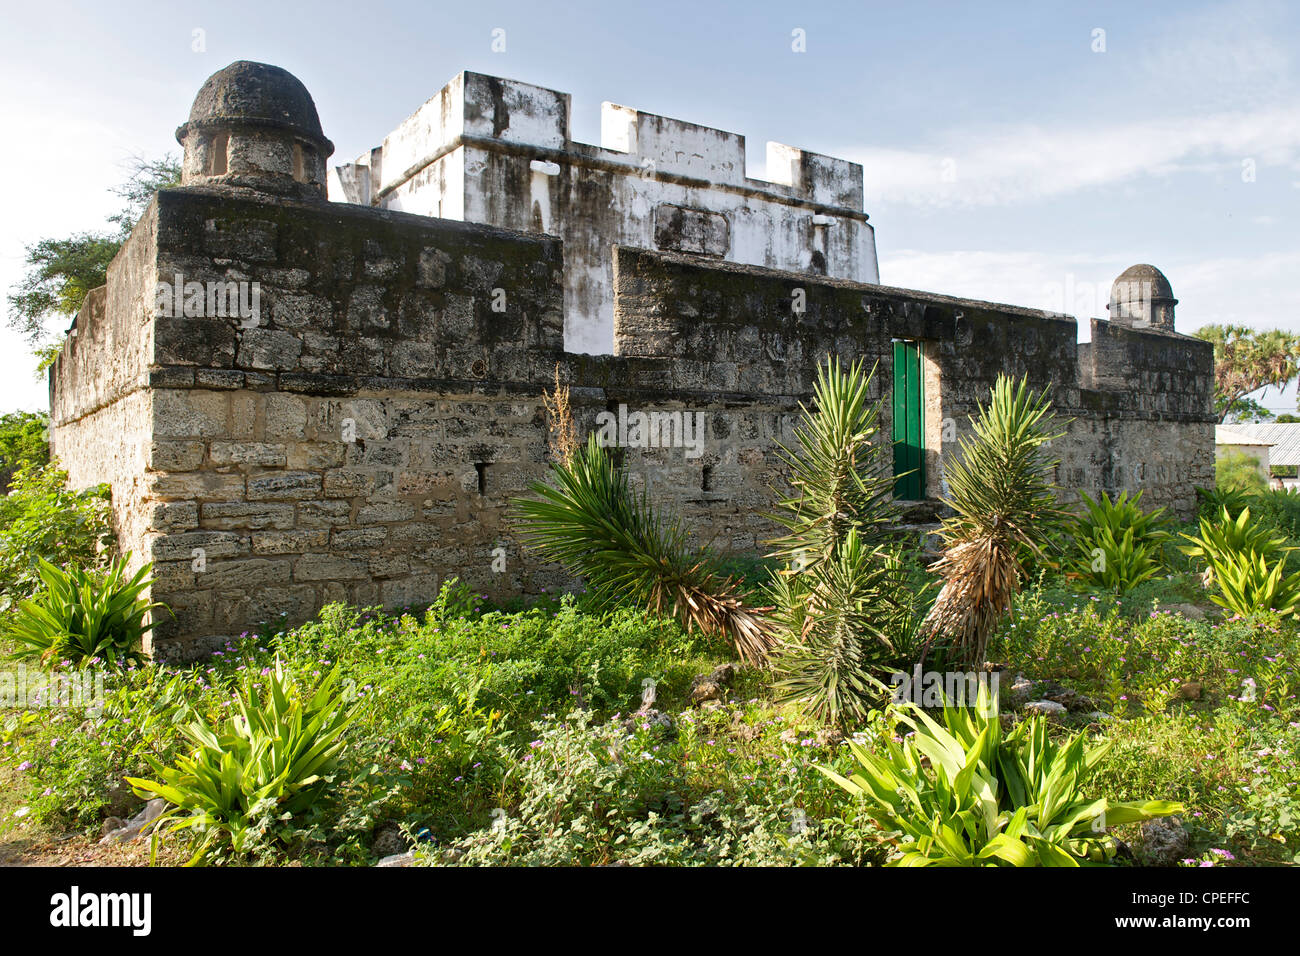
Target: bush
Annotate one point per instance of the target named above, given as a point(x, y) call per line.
point(1278, 509)
point(961, 794)
point(1247, 561)
point(845, 596)
point(253, 776)
point(1130, 664)
point(599, 793)
point(23, 443)
point(1117, 546)
point(1237, 471)
point(41, 519)
point(80, 616)
point(1211, 501)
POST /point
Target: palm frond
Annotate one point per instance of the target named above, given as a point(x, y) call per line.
point(1004, 504)
point(589, 520)
point(839, 473)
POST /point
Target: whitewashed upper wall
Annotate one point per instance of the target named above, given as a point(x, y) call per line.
point(497, 151)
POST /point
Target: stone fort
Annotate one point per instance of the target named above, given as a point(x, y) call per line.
point(308, 384)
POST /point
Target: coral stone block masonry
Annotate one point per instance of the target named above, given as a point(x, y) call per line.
point(299, 401)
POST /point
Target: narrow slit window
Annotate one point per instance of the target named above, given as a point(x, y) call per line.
point(481, 467)
point(217, 155)
point(706, 478)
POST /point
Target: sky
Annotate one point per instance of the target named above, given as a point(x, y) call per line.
point(1023, 153)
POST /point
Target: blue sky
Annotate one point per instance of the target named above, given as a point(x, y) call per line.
point(1006, 157)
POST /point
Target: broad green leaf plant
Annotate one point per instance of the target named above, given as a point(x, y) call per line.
point(253, 775)
point(959, 793)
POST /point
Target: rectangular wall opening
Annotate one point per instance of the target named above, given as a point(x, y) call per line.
point(909, 418)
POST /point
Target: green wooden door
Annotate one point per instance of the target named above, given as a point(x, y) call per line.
point(909, 461)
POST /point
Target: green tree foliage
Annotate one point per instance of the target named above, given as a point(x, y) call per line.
point(24, 441)
point(1246, 360)
point(1238, 471)
point(61, 271)
point(41, 518)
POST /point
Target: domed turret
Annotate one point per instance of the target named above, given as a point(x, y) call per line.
point(1143, 298)
point(255, 126)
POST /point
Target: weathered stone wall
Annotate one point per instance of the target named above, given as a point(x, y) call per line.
point(99, 397)
point(360, 438)
point(1136, 404)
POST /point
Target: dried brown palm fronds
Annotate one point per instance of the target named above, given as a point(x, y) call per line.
point(589, 520)
point(1004, 506)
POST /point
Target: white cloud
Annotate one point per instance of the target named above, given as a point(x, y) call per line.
point(1033, 162)
point(1249, 290)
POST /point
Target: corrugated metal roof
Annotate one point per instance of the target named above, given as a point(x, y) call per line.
point(1284, 437)
point(1231, 435)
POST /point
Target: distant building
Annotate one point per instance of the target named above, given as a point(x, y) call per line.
point(1231, 441)
point(1280, 442)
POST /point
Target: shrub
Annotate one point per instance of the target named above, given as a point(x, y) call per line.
point(1117, 545)
point(845, 595)
point(594, 793)
point(1280, 509)
point(1238, 471)
point(961, 794)
point(1247, 562)
point(253, 776)
point(591, 521)
point(1211, 501)
point(23, 443)
point(79, 616)
point(1000, 490)
point(841, 617)
point(41, 519)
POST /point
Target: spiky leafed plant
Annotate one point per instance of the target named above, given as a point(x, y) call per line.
point(1000, 489)
point(842, 599)
point(589, 520)
point(839, 619)
point(840, 473)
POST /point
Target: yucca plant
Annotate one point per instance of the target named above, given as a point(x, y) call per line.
point(842, 598)
point(590, 521)
point(839, 619)
point(1246, 561)
point(80, 615)
point(1117, 544)
point(252, 775)
point(840, 471)
point(961, 794)
point(1000, 490)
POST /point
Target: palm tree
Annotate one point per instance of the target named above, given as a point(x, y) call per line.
point(1246, 360)
point(589, 520)
point(1004, 507)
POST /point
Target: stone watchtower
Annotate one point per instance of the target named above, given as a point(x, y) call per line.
point(1142, 298)
point(254, 125)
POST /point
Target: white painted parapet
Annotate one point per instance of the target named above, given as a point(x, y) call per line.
point(496, 151)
